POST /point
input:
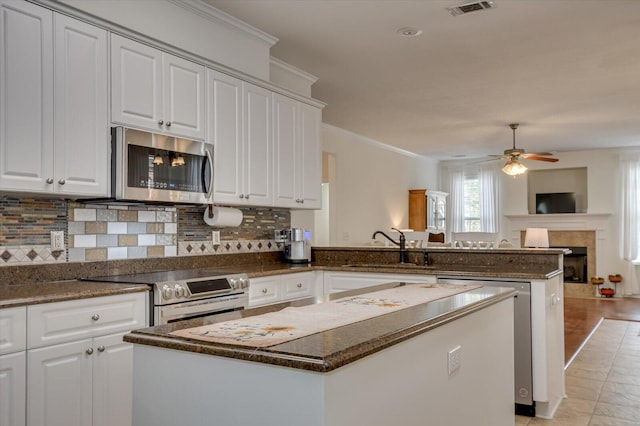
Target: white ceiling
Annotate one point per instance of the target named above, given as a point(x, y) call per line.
point(567, 70)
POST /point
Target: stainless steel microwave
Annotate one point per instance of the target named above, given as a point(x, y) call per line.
point(149, 167)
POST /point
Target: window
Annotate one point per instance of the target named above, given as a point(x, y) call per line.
point(475, 200)
point(471, 204)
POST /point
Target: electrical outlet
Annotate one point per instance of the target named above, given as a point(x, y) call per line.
point(454, 359)
point(215, 237)
point(57, 240)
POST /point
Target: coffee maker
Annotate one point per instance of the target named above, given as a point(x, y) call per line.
point(297, 244)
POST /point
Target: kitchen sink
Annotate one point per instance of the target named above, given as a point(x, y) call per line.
point(388, 266)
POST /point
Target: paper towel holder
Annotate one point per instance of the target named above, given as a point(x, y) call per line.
point(210, 211)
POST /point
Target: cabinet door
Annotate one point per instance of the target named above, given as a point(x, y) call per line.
point(136, 84)
point(265, 290)
point(257, 145)
point(112, 381)
point(225, 133)
point(59, 385)
point(286, 161)
point(81, 137)
point(310, 157)
point(183, 99)
point(26, 91)
point(13, 379)
point(13, 330)
point(298, 285)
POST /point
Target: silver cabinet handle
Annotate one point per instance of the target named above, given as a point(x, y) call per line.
point(168, 124)
point(62, 181)
point(264, 290)
point(50, 181)
point(101, 348)
point(95, 317)
point(161, 122)
point(89, 351)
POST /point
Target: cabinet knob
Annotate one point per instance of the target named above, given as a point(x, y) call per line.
point(299, 285)
point(246, 196)
point(264, 290)
point(161, 122)
point(168, 124)
point(89, 351)
point(62, 181)
point(101, 348)
point(50, 181)
point(95, 317)
point(241, 195)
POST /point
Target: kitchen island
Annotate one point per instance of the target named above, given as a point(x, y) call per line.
point(446, 361)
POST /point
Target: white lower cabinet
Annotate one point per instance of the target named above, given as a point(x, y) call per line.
point(281, 288)
point(86, 382)
point(79, 369)
point(337, 281)
point(13, 389)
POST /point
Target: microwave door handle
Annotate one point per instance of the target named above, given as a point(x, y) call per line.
point(210, 161)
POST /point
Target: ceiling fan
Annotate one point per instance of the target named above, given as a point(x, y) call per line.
point(513, 165)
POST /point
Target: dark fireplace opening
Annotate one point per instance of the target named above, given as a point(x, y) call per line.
point(575, 265)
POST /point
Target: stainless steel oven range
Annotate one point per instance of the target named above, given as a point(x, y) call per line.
point(190, 293)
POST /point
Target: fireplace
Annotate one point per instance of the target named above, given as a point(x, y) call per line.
point(575, 265)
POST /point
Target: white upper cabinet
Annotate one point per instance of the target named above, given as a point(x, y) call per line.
point(310, 157)
point(239, 129)
point(258, 145)
point(81, 131)
point(155, 90)
point(297, 157)
point(73, 158)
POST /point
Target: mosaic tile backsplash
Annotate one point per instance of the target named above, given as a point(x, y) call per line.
point(109, 232)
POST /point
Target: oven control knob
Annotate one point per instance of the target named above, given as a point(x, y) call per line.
point(167, 292)
point(180, 291)
point(233, 282)
point(244, 283)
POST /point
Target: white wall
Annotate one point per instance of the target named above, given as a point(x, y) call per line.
point(371, 185)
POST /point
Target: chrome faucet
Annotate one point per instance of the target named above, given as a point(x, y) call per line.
point(402, 243)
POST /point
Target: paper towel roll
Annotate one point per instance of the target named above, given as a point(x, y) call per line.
point(223, 217)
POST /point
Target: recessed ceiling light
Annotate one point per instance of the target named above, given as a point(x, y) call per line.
point(409, 32)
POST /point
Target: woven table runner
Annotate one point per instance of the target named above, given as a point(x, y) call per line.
point(295, 322)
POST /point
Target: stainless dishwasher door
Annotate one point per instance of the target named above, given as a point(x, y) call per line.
point(522, 338)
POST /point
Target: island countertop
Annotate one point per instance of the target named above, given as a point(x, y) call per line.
point(328, 350)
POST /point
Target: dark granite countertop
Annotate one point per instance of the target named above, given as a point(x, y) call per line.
point(326, 351)
point(12, 295)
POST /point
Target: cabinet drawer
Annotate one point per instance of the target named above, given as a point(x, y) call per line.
point(264, 290)
point(298, 285)
point(52, 323)
point(13, 329)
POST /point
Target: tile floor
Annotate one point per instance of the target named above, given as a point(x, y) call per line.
point(603, 381)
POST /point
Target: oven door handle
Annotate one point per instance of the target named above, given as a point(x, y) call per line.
point(166, 313)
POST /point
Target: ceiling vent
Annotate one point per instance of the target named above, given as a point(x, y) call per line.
point(470, 7)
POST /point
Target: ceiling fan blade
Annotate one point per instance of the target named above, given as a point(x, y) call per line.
point(537, 158)
point(497, 157)
point(538, 153)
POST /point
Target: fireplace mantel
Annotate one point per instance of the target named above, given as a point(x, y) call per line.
point(596, 222)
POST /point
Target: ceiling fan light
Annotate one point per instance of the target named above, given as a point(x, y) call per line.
point(157, 160)
point(514, 168)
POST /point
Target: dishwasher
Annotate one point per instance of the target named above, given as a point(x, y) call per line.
point(523, 374)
